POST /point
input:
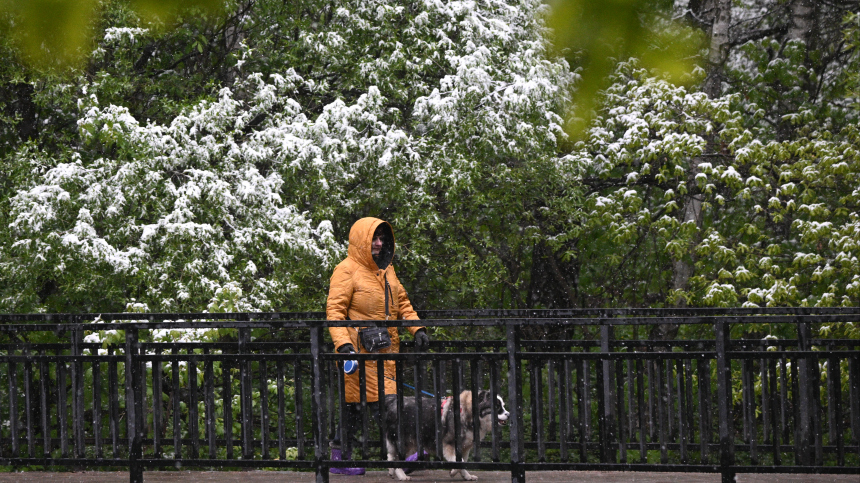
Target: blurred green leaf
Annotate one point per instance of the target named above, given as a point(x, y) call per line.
point(50, 33)
point(56, 34)
point(595, 34)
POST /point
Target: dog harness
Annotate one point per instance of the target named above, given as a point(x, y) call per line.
point(445, 403)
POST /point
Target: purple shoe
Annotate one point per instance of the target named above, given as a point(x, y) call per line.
point(412, 457)
point(336, 455)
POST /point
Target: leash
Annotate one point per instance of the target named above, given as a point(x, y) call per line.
point(411, 387)
point(445, 401)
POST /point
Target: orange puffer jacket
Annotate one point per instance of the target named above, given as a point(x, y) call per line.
point(357, 292)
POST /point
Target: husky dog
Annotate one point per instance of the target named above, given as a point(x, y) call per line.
point(467, 437)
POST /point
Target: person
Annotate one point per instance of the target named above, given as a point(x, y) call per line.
point(360, 287)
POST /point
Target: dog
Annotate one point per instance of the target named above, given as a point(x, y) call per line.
point(467, 437)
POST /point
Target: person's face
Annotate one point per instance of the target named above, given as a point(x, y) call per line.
point(376, 245)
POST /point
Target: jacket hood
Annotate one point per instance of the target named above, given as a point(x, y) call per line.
point(360, 239)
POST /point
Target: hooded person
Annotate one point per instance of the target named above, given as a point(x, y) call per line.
point(361, 285)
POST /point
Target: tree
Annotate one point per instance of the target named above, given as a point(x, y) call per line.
point(203, 173)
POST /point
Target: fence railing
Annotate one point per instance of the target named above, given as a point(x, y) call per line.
point(603, 400)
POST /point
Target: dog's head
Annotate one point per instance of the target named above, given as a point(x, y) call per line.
point(489, 406)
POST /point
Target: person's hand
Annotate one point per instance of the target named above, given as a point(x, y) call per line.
point(422, 340)
point(345, 349)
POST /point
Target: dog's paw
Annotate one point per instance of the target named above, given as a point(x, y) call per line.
point(391, 472)
point(466, 475)
point(401, 475)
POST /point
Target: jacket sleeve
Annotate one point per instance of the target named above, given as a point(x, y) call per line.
point(339, 297)
point(405, 309)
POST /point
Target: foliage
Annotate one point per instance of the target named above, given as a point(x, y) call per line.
point(176, 188)
point(216, 160)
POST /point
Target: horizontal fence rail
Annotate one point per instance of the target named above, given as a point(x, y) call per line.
point(598, 401)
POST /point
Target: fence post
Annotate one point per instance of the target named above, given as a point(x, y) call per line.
point(606, 401)
point(724, 401)
point(245, 399)
point(515, 379)
point(806, 403)
point(317, 404)
point(78, 388)
point(134, 409)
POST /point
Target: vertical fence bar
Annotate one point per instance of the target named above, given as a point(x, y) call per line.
point(669, 401)
point(282, 444)
point(632, 419)
point(494, 394)
point(662, 410)
point(640, 404)
point(299, 397)
point(766, 410)
point(342, 418)
point(419, 412)
point(227, 406)
point(652, 400)
point(318, 405)
point(834, 378)
point(682, 410)
point(745, 399)
point(134, 407)
point(775, 433)
point(331, 373)
point(518, 474)
point(113, 403)
point(783, 396)
point(209, 404)
point(608, 412)
point(245, 399)
point(383, 428)
point(62, 411)
point(476, 411)
point(13, 407)
point(456, 387)
point(703, 366)
point(795, 410)
point(537, 408)
point(157, 408)
point(564, 411)
point(689, 422)
point(264, 409)
point(619, 386)
point(78, 389)
point(437, 376)
point(533, 404)
point(177, 418)
point(854, 396)
point(362, 392)
point(45, 413)
point(724, 401)
point(602, 430)
point(551, 401)
point(748, 373)
point(28, 407)
point(193, 413)
point(583, 410)
point(818, 434)
point(805, 403)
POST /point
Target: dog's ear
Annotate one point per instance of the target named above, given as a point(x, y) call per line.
point(484, 396)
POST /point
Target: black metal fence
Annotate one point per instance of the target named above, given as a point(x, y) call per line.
point(600, 402)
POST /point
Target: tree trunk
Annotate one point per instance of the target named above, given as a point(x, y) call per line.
point(720, 17)
point(802, 20)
